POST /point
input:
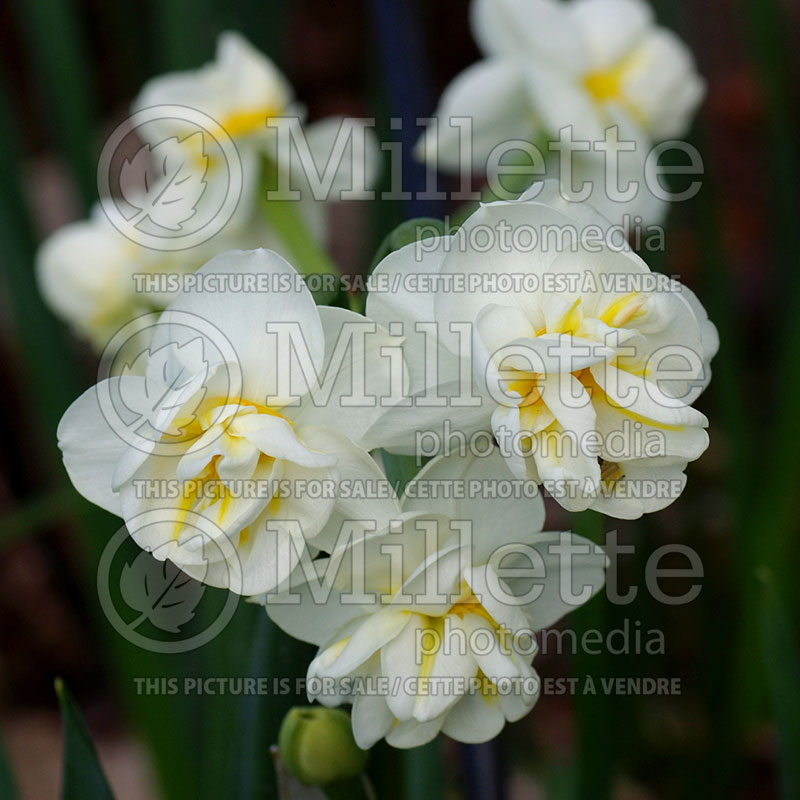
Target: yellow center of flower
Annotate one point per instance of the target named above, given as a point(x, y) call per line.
point(247, 121)
point(603, 85)
point(536, 420)
point(608, 85)
point(471, 605)
point(207, 492)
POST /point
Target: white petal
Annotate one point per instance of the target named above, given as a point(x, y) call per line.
point(399, 662)
point(411, 733)
point(525, 29)
point(566, 467)
point(492, 95)
point(419, 426)
point(610, 28)
point(361, 373)
point(371, 719)
point(85, 274)
point(379, 630)
point(363, 492)
point(268, 290)
point(448, 667)
point(276, 437)
point(561, 102)
point(569, 402)
point(475, 718)
point(306, 499)
point(663, 85)
point(494, 593)
point(570, 578)
point(644, 401)
point(240, 80)
point(91, 449)
point(643, 488)
point(495, 661)
point(495, 521)
point(709, 338)
point(483, 246)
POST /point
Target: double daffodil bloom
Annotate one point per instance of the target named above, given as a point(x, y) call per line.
point(95, 278)
point(584, 363)
point(583, 65)
point(223, 440)
point(239, 90)
point(579, 58)
point(242, 90)
point(439, 633)
point(86, 269)
point(85, 273)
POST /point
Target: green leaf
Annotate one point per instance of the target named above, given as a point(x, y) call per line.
point(185, 31)
point(285, 219)
point(83, 777)
point(399, 470)
point(278, 660)
point(56, 45)
point(413, 230)
point(782, 666)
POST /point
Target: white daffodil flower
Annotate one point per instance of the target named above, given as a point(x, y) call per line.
point(578, 59)
point(587, 65)
point(231, 431)
point(184, 178)
point(85, 273)
point(585, 363)
point(439, 633)
point(242, 90)
point(97, 280)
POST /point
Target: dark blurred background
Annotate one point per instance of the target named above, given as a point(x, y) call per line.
point(69, 71)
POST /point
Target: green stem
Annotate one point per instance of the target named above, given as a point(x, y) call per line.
point(593, 712)
point(782, 664)
point(285, 219)
point(423, 772)
point(56, 45)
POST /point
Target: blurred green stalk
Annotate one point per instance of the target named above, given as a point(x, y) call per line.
point(596, 754)
point(768, 526)
point(285, 218)
point(58, 48)
point(782, 667)
point(186, 31)
point(423, 772)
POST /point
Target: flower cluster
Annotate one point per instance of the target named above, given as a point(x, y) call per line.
point(269, 450)
point(249, 439)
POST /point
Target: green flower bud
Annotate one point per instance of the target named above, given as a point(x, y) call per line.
point(316, 745)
